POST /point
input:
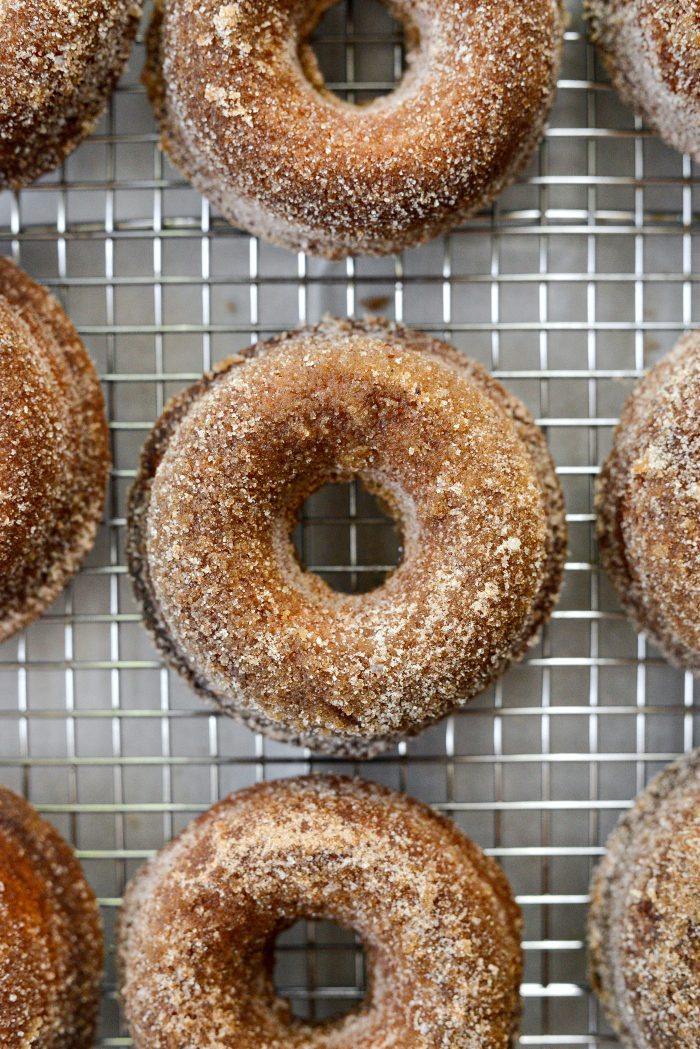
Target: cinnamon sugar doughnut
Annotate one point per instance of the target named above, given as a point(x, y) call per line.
point(59, 61)
point(648, 502)
point(644, 920)
point(54, 455)
point(50, 936)
point(223, 477)
point(651, 49)
point(246, 116)
point(439, 924)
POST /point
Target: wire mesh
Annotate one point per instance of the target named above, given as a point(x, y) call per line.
point(580, 276)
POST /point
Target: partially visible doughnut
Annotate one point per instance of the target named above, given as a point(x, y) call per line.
point(651, 49)
point(648, 503)
point(245, 115)
point(223, 477)
point(644, 919)
point(50, 936)
point(439, 924)
point(59, 61)
point(54, 450)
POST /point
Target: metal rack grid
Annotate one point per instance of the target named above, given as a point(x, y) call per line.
point(580, 276)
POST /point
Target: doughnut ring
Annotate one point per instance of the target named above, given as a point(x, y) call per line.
point(246, 116)
point(458, 461)
point(436, 916)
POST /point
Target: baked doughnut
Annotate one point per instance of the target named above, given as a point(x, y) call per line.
point(648, 503)
point(645, 915)
point(651, 49)
point(246, 116)
point(457, 460)
point(54, 454)
point(50, 936)
point(437, 918)
point(59, 61)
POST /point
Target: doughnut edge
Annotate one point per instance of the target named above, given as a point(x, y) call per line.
point(23, 294)
point(611, 876)
point(72, 896)
point(611, 496)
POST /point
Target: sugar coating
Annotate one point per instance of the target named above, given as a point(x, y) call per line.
point(50, 936)
point(651, 49)
point(54, 452)
point(225, 473)
point(246, 116)
point(644, 919)
point(648, 505)
point(437, 918)
point(60, 60)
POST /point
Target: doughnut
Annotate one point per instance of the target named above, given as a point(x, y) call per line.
point(651, 50)
point(458, 462)
point(51, 936)
point(246, 116)
point(59, 61)
point(648, 506)
point(645, 915)
point(436, 916)
point(54, 452)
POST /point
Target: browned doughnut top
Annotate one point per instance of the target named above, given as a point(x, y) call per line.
point(50, 936)
point(437, 918)
point(246, 116)
point(648, 502)
point(59, 61)
point(644, 921)
point(225, 473)
point(651, 49)
point(54, 455)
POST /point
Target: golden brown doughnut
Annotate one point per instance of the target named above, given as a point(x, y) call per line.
point(50, 936)
point(54, 452)
point(59, 61)
point(223, 477)
point(651, 49)
point(246, 116)
point(437, 918)
point(648, 503)
point(644, 920)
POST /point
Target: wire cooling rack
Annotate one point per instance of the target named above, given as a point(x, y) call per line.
point(580, 276)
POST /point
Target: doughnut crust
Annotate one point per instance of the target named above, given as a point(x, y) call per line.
point(54, 453)
point(50, 936)
point(437, 918)
point(246, 116)
point(223, 477)
point(648, 504)
point(645, 915)
point(651, 49)
point(59, 62)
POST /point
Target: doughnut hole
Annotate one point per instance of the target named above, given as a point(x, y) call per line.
point(346, 535)
point(320, 968)
point(357, 53)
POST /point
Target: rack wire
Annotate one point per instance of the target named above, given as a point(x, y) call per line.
point(580, 276)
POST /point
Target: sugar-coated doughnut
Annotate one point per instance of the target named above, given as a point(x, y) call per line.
point(50, 936)
point(648, 503)
point(459, 462)
point(59, 61)
point(644, 920)
point(651, 49)
point(246, 116)
point(54, 451)
point(437, 918)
